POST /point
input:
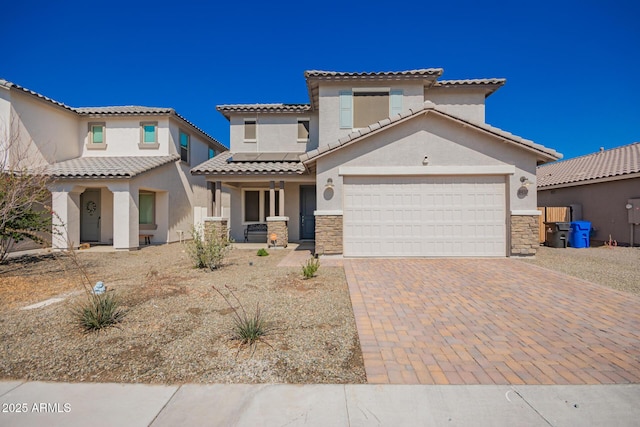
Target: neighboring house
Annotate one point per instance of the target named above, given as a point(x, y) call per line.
point(603, 188)
point(120, 174)
point(382, 164)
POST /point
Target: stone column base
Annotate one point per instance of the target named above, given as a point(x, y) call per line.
point(524, 235)
point(277, 231)
point(328, 234)
point(216, 226)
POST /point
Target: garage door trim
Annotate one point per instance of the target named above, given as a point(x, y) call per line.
point(426, 170)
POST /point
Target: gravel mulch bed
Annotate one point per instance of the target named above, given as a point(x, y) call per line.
point(177, 329)
point(615, 267)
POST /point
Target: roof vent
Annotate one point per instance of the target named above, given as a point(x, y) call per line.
point(601, 149)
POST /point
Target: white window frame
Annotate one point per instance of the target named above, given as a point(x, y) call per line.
point(148, 145)
point(244, 123)
point(180, 133)
point(153, 226)
point(303, 119)
point(262, 209)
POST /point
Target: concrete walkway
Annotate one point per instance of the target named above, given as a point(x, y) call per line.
point(124, 405)
point(490, 321)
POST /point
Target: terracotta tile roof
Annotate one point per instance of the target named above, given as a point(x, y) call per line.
point(115, 110)
point(108, 167)
point(227, 109)
point(619, 161)
point(470, 82)
point(428, 107)
point(223, 164)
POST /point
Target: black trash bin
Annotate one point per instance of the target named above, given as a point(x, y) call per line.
point(558, 234)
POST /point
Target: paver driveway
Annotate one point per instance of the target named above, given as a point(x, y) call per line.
point(490, 321)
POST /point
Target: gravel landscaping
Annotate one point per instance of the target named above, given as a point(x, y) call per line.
point(615, 267)
point(177, 329)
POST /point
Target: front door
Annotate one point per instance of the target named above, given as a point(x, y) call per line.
point(90, 216)
point(307, 207)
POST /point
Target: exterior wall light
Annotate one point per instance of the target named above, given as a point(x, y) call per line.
point(329, 183)
point(525, 181)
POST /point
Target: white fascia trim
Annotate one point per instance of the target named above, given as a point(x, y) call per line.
point(277, 218)
point(526, 212)
point(428, 170)
point(337, 212)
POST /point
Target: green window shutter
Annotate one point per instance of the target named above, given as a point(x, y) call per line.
point(395, 105)
point(346, 115)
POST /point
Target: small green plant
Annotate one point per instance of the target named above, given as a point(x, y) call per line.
point(263, 252)
point(309, 269)
point(208, 248)
point(98, 312)
point(247, 328)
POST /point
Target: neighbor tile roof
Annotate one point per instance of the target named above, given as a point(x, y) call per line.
point(114, 110)
point(339, 75)
point(108, 167)
point(222, 164)
point(618, 161)
point(428, 107)
point(227, 109)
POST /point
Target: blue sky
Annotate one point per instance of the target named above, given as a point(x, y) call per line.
point(572, 67)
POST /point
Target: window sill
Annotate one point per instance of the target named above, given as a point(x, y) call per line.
point(148, 146)
point(250, 140)
point(148, 226)
point(303, 140)
point(92, 146)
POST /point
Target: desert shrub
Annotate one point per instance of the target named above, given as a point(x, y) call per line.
point(263, 252)
point(98, 312)
point(207, 249)
point(247, 328)
point(310, 267)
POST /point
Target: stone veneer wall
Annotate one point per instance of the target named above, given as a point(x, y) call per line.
point(524, 234)
point(218, 226)
point(280, 228)
point(328, 234)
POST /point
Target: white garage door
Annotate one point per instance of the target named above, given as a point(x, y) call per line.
point(424, 216)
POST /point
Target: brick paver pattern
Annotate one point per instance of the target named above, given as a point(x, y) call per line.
point(490, 321)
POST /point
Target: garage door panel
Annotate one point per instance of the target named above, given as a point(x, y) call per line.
point(425, 216)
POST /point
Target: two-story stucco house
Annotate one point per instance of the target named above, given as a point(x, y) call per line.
point(382, 164)
point(120, 175)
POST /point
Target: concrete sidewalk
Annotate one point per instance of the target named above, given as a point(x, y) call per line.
point(63, 404)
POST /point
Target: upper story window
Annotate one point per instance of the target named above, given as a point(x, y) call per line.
point(149, 135)
point(97, 136)
point(362, 107)
point(184, 147)
point(212, 153)
point(303, 130)
point(250, 130)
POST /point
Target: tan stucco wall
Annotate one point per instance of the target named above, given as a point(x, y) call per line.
point(444, 142)
point(329, 105)
point(49, 132)
point(467, 104)
point(275, 133)
point(603, 204)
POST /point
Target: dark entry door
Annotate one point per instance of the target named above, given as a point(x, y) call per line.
point(90, 216)
point(307, 207)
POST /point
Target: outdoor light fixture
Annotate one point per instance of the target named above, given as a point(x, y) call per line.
point(425, 161)
point(525, 181)
point(329, 183)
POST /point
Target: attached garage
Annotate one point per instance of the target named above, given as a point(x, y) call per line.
point(439, 216)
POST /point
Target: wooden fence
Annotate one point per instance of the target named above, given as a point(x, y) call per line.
point(552, 214)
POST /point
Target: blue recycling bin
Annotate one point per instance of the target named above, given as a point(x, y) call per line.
point(579, 236)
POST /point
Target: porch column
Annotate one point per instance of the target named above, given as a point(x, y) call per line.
point(272, 198)
point(65, 203)
point(126, 228)
point(218, 212)
point(281, 191)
